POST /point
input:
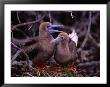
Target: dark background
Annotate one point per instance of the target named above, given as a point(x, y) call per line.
point(86, 25)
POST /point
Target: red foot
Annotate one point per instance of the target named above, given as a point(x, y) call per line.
point(40, 66)
point(72, 68)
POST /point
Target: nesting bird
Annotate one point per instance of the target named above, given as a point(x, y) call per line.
point(44, 49)
point(65, 48)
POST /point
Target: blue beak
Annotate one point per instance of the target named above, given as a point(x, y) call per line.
point(54, 26)
point(56, 40)
point(53, 31)
point(51, 28)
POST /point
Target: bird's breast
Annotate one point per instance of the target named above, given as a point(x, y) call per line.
point(46, 45)
point(62, 54)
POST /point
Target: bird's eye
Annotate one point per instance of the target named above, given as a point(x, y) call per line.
point(62, 37)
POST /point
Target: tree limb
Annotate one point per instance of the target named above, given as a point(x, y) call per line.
point(27, 23)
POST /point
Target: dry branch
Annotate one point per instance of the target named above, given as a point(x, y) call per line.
point(87, 64)
point(18, 17)
point(88, 31)
point(94, 41)
point(27, 23)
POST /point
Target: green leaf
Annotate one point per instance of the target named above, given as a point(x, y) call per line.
point(69, 73)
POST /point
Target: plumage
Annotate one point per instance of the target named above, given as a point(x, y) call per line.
point(65, 52)
point(44, 49)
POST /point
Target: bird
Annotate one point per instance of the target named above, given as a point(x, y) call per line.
point(66, 48)
point(43, 49)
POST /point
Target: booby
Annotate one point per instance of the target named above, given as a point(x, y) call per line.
point(65, 52)
point(44, 49)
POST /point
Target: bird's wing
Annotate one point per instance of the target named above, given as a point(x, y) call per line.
point(72, 46)
point(73, 49)
point(73, 43)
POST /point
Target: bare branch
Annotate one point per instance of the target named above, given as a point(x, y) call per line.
point(93, 40)
point(93, 63)
point(15, 45)
point(30, 27)
point(29, 74)
point(18, 17)
point(23, 41)
point(27, 23)
point(15, 56)
point(50, 17)
point(88, 31)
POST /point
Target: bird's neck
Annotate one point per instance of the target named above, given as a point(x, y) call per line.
point(63, 46)
point(44, 35)
point(64, 43)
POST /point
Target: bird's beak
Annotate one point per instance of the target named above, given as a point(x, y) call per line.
point(56, 40)
point(53, 31)
point(52, 27)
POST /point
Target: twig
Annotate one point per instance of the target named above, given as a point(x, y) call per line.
point(30, 27)
point(27, 23)
point(27, 58)
point(50, 17)
point(15, 45)
point(21, 32)
point(18, 63)
point(88, 31)
point(18, 17)
point(93, 63)
point(17, 53)
point(23, 41)
point(24, 50)
point(15, 56)
point(29, 74)
point(93, 40)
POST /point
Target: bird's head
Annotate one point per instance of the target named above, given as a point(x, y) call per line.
point(43, 26)
point(47, 26)
point(62, 37)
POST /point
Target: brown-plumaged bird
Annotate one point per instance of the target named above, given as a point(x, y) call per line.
point(65, 52)
point(44, 49)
